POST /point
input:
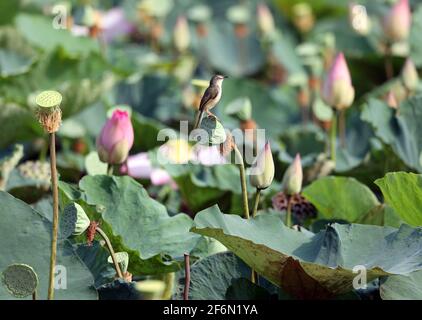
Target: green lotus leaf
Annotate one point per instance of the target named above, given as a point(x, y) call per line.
point(240, 108)
point(219, 277)
point(335, 198)
point(38, 30)
point(403, 287)
point(26, 238)
point(135, 223)
point(403, 192)
point(319, 265)
point(402, 132)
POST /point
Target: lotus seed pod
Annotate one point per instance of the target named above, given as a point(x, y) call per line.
point(74, 221)
point(181, 35)
point(48, 113)
point(20, 280)
point(213, 131)
point(8, 163)
point(122, 259)
point(301, 208)
point(397, 22)
point(262, 171)
point(292, 179)
point(150, 289)
point(409, 75)
point(38, 171)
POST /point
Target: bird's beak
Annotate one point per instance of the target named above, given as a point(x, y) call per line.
point(225, 77)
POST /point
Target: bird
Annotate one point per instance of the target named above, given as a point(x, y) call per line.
point(210, 98)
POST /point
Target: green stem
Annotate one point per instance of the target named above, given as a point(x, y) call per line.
point(110, 169)
point(112, 254)
point(289, 212)
point(169, 281)
point(256, 204)
point(254, 275)
point(34, 295)
point(342, 128)
point(333, 137)
point(239, 161)
point(54, 186)
point(389, 69)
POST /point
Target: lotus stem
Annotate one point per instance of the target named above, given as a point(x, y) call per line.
point(110, 169)
point(34, 295)
point(254, 275)
point(333, 137)
point(256, 204)
point(289, 212)
point(187, 277)
point(389, 69)
point(342, 128)
point(112, 254)
point(54, 186)
point(239, 161)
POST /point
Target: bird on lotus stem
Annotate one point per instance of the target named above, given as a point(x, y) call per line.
point(210, 98)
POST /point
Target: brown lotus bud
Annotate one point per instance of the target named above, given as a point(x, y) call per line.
point(248, 124)
point(241, 30)
point(227, 146)
point(202, 30)
point(303, 97)
point(48, 112)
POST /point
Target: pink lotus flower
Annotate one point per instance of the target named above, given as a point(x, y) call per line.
point(207, 155)
point(337, 90)
point(114, 24)
point(116, 138)
point(396, 23)
point(139, 166)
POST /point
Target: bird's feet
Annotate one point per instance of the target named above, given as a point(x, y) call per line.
point(212, 115)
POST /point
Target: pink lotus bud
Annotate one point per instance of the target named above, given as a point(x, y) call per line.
point(262, 171)
point(396, 23)
point(116, 138)
point(337, 90)
point(391, 100)
point(292, 179)
point(409, 75)
point(181, 35)
point(265, 19)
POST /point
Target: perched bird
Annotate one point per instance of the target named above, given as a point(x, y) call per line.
point(210, 98)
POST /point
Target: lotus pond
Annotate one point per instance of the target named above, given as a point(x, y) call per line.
point(304, 181)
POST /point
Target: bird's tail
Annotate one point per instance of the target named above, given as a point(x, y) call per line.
point(198, 119)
